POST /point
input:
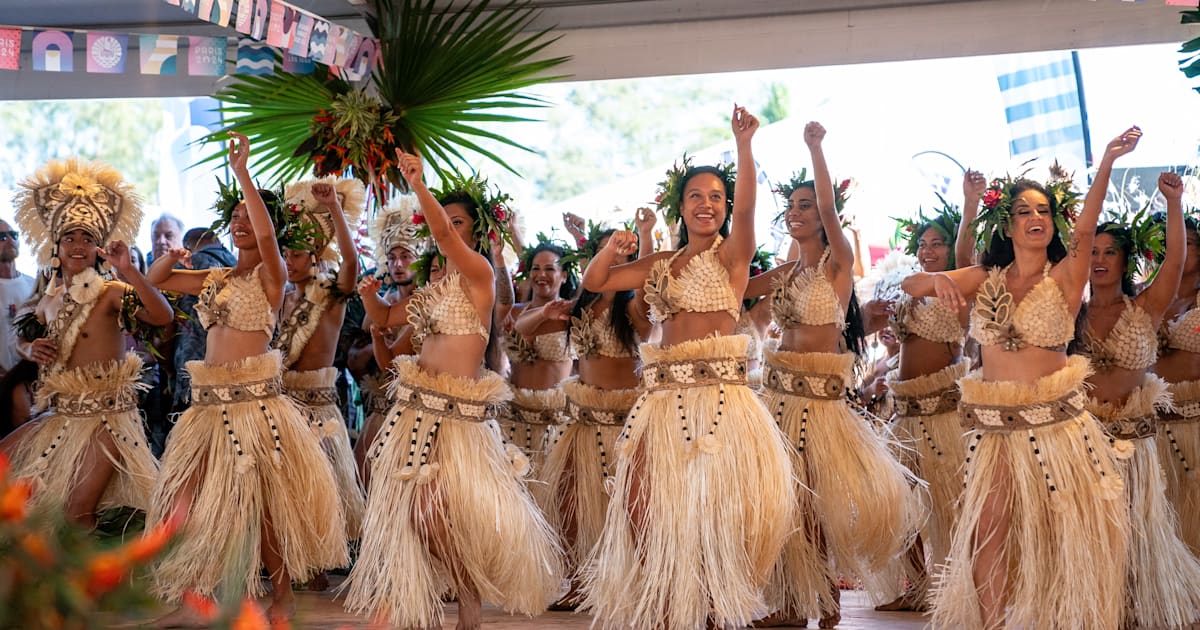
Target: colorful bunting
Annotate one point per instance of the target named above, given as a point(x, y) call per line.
point(158, 53)
point(53, 51)
point(206, 56)
point(10, 49)
point(106, 52)
point(255, 57)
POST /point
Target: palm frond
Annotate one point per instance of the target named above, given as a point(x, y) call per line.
point(1189, 65)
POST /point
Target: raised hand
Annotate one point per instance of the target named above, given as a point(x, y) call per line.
point(1124, 143)
point(744, 124)
point(814, 134)
point(558, 309)
point(180, 255)
point(117, 255)
point(325, 194)
point(622, 243)
point(369, 286)
point(410, 166)
point(974, 185)
point(239, 151)
point(644, 219)
point(1170, 185)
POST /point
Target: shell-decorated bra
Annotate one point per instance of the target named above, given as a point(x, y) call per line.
point(593, 336)
point(806, 298)
point(1183, 332)
point(927, 318)
point(1130, 345)
point(238, 302)
point(551, 347)
point(443, 308)
point(1042, 319)
point(701, 287)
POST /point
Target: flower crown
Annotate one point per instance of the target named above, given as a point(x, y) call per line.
point(670, 191)
point(762, 262)
point(494, 212)
point(1139, 233)
point(908, 231)
point(996, 207)
point(841, 194)
point(292, 229)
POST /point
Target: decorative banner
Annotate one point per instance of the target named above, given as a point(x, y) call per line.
point(206, 56)
point(300, 39)
point(106, 52)
point(317, 50)
point(190, 6)
point(158, 53)
point(363, 62)
point(52, 51)
point(216, 11)
point(255, 57)
point(10, 49)
point(275, 26)
point(298, 65)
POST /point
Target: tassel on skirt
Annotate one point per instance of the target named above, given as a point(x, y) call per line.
point(532, 422)
point(447, 508)
point(1162, 588)
point(1179, 452)
point(702, 499)
point(81, 404)
point(852, 492)
point(1035, 449)
point(579, 466)
point(245, 453)
point(315, 391)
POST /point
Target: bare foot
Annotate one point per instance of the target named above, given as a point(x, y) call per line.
point(470, 614)
point(780, 619)
point(282, 608)
point(830, 619)
point(909, 601)
point(182, 617)
point(318, 583)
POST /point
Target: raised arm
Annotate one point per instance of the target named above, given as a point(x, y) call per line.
point(1157, 297)
point(760, 285)
point(974, 183)
point(840, 252)
point(532, 318)
point(383, 314)
point(326, 195)
point(155, 309)
point(954, 288)
point(273, 275)
point(645, 219)
point(741, 232)
point(163, 276)
point(603, 274)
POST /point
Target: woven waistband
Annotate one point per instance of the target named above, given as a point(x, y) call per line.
point(422, 400)
point(591, 416)
point(932, 404)
point(1131, 428)
point(316, 396)
point(1187, 411)
point(1021, 417)
point(694, 373)
point(118, 401)
point(815, 385)
point(241, 392)
point(533, 415)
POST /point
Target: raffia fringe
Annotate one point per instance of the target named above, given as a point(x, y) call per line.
point(867, 506)
point(1066, 548)
point(329, 426)
point(61, 469)
point(466, 516)
point(219, 546)
point(694, 526)
point(533, 438)
point(579, 467)
point(1179, 451)
point(937, 450)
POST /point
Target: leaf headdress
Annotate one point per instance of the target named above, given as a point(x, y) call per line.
point(908, 231)
point(670, 191)
point(841, 194)
point(995, 210)
point(492, 204)
point(568, 262)
point(292, 229)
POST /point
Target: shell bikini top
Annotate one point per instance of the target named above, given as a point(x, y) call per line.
point(1182, 333)
point(1042, 319)
point(806, 298)
point(702, 287)
point(1130, 345)
point(594, 336)
point(238, 302)
point(927, 318)
point(545, 347)
point(443, 308)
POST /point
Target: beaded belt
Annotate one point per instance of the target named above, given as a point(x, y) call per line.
point(378, 403)
point(1131, 428)
point(815, 385)
point(595, 415)
point(694, 373)
point(315, 396)
point(1183, 412)
point(121, 400)
point(421, 399)
point(532, 415)
point(1020, 417)
point(242, 392)
point(931, 404)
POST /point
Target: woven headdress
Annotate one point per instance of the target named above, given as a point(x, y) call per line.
point(298, 197)
point(394, 227)
point(71, 194)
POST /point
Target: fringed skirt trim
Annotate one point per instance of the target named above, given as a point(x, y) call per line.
point(1035, 455)
point(532, 421)
point(447, 508)
point(1179, 451)
point(315, 392)
point(702, 499)
point(1162, 589)
point(85, 404)
point(245, 456)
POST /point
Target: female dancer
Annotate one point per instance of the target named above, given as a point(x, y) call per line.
point(538, 353)
point(313, 310)
point(1179, 365)
point(701, 501)
point(241, 466)
point(854, 497)
point(1043, 502)
point(446, 507)
point(1163, 580)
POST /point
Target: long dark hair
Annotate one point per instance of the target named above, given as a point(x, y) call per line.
point(999, 250)
point(570, 282)
point(729, 185)
point(1123, 239)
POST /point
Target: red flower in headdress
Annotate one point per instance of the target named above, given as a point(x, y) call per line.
point(418, 219)
point(991, 198)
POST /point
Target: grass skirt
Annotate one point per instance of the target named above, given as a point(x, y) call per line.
point(1163, 582)
point(934, 449)
point(1066, 547)
point(446, 507)
point(83, 403)
point(247, 452)
point(532, 421)
point(315, 392)
point(1179, 451)
point(582, 461)
point(702, 500)
point(851, 490)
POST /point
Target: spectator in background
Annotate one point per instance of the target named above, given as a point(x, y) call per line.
point(166, 232)
point(15, 289)
point(190, 339)
point(16, 396)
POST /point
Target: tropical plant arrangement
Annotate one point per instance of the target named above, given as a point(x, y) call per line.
point(1190, 64)
point(444, 75)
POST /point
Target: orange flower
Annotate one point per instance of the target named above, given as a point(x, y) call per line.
point(205, 607)
point(152, 542)
point(34, 544)
point(105, 572)
point(251, 617)
point(14, 502)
